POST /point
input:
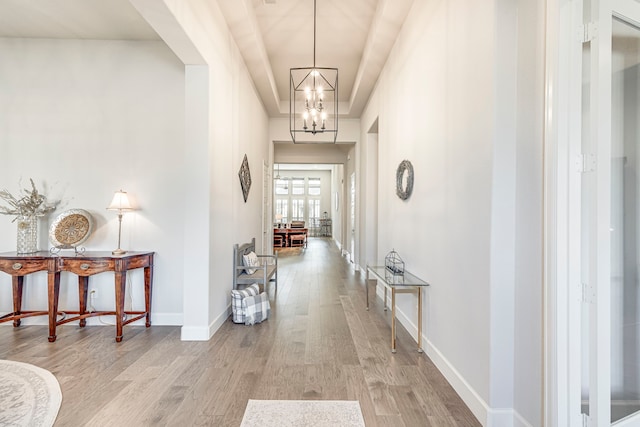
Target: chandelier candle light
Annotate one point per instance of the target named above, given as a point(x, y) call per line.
point(313, 94)
point(121, 204)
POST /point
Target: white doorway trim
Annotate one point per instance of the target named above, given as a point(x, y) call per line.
point(561, 403)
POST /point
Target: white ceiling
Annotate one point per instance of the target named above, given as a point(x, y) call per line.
point(73, 19)
point(354, 36)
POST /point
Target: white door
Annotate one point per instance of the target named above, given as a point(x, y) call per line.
point(267, 228)
point(610, 215)
point(352, 217)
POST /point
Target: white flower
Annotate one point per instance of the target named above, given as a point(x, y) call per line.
point(31, 203)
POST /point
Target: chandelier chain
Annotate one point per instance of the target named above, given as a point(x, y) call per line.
point(317, 89)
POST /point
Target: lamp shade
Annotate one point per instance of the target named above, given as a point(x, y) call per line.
point(120, 202)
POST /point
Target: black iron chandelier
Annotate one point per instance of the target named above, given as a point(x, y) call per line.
point(313, 99)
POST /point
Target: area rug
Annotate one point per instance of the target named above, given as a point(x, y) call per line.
point(302, 413)
point(29, 396)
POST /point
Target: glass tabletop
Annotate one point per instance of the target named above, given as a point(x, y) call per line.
point(395, 279)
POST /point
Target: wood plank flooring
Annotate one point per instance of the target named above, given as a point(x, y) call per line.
point(319, 343)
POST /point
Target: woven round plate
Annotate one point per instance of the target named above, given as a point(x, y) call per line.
point(71, 228)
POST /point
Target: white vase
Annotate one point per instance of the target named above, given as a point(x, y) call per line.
point(27, 234)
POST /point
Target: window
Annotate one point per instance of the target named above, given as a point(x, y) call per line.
point(314, 213)
point(314, 187)
point(282, 186)
point(297, 210)
point(297, 198)
point(297, 185)
point(282, 208)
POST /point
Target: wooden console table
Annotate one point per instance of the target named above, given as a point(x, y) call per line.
point(84, 265)
point(19, 266)
point(406, 283)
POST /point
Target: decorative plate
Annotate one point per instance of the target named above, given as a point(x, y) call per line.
point(71, 228)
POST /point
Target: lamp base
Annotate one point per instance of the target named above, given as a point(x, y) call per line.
point(118, 252)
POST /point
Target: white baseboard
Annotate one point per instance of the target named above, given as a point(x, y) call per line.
point(199, 333)
point(519, 421)
point(219, 321)
point(167, 319)
point(194, 333)
point(488, 417)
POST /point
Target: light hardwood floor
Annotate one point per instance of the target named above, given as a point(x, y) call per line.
point(319, 343)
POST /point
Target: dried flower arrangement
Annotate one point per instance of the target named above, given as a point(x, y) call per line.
point(31, 203)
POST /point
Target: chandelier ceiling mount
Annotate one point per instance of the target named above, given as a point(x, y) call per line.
point(313, 100)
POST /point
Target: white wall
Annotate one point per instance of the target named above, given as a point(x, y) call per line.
point(84, 119)
point(461, 99)
point(367, 206)
point(237, 125)
point(350, 168)
point(528, 373)
point(434, 103)
point(107, 115)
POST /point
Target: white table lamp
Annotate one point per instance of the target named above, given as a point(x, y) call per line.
point(121, 204)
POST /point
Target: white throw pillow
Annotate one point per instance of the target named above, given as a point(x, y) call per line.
point(250, 260)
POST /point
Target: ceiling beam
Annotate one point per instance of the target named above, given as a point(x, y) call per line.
point(243, 25)
point(164, 22)
point(386, 25)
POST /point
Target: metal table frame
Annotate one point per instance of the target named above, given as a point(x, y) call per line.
point(405, 283)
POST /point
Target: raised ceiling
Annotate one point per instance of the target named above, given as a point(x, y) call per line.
point(355, 36)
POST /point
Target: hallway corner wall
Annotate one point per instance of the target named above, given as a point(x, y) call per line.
point(441, 104)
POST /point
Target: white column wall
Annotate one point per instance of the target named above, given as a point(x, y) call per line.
point(528, 372)
point(238, 125)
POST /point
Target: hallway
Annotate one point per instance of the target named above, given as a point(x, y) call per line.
point(319, 343)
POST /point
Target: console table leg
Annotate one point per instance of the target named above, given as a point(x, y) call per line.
point(148, 279)
point(121, 280)
point(53, 288)
point(83, 288)
point(393, 318)
point(419, 320)
point(366, 287)
point(17, 282)
point(385, 298)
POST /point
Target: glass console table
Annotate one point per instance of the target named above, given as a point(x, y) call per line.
point(397, 283)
